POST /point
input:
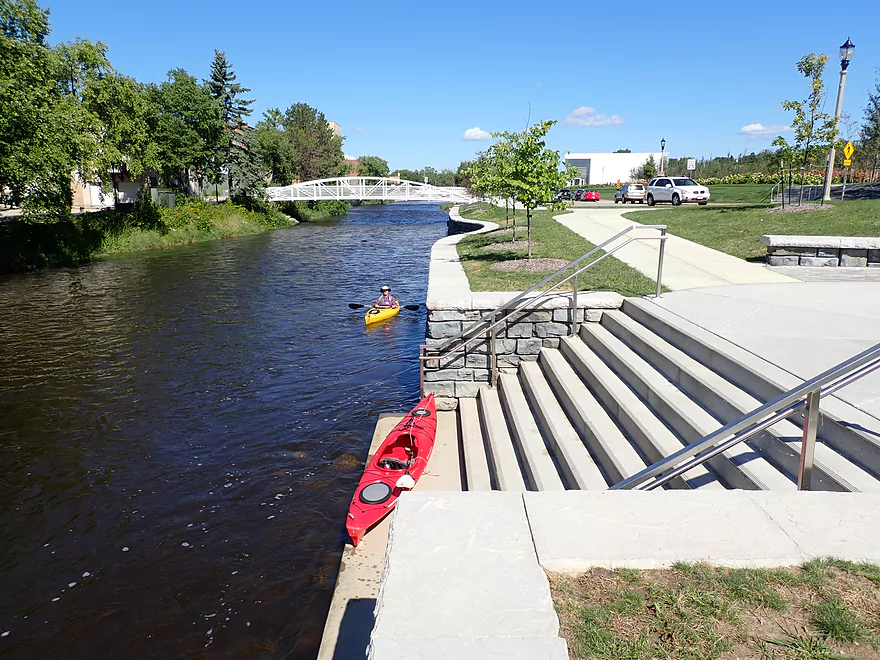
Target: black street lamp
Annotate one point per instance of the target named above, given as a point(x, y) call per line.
point(662, 149)
point(846, 53)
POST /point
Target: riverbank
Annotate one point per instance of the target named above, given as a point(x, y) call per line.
point(27, 246)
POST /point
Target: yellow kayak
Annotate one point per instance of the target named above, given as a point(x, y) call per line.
point(376, 315)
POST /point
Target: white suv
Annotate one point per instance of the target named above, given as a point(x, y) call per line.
point(676, 189)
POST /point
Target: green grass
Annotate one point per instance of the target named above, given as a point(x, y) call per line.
point(826, 609)
point(557, 242)
point(738, 230)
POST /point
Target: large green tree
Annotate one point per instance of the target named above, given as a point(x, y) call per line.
point(372, 166)
point(234, 110)
point(275, 148)
point(317, 150)
point(869, 141)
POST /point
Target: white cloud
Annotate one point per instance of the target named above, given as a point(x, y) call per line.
point(476, 133)
point(757, 130)
point(359, 129)
point(585, 116)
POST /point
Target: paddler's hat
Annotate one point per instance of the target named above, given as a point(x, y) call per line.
point(385, 288)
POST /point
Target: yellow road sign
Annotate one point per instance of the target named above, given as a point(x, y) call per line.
point(848, 150)
point(847, 162)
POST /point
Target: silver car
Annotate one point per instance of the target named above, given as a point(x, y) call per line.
point(630, 192)
point(677, 190)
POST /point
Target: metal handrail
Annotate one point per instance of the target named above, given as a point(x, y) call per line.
point(807, 394)
point(491, 320)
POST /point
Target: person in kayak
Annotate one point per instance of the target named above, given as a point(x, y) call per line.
point(386, 300)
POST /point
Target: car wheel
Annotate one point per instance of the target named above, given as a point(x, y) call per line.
point(650, 200)
point(615, 200)
point(676, 200)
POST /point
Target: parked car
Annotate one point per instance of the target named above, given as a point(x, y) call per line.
point(630, 192)
point(677, 190)
point(579, 195)
point(562, 196)
point(590, 196)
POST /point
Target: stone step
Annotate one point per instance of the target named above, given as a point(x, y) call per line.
point(636, 420)
point(578, 467)
point(613, 453)
point(781, 443)
point(476, 466)
point(502, 457)
point(536, 459)
point(745, 467)
point(850, 431)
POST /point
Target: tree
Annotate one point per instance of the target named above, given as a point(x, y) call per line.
point(647, 171)
point(317, 150)
point(870, 132)
point(535, 173)
point(372, 166)
point(245, 166)
point(814, 130)
point(233, 108)
point(623, 151)
point(274, 147)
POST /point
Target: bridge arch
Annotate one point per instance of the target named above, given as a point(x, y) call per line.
point(367, 187)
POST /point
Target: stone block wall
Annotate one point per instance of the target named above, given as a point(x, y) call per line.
point(811, 256)
point(519, 339)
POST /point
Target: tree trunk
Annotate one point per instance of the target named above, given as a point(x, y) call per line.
point(115, 193)
point(803, 175)
point(506, 212)
point(529, 229)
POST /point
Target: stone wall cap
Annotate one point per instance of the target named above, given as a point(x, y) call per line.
point(489, 300)
point(848, 242)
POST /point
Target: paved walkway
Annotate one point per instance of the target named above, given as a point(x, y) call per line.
point(804, 328)
point(687, 265)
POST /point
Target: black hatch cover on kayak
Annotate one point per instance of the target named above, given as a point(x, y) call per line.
point(421, 412)
point(375, 493)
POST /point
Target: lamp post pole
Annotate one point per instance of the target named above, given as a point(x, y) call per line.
point(662, 149)
point(846, 51)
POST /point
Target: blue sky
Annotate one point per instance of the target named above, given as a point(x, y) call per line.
point(407, 80)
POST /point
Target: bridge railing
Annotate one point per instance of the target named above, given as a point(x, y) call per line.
point(360, 188)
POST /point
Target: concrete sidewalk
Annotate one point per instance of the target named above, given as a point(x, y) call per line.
point(687, 265)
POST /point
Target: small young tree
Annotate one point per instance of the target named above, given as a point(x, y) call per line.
point(534, 172)
point(814, 130)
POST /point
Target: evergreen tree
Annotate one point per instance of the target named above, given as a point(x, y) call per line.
point(228, 95)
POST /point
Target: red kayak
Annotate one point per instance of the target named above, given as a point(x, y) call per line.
point(395, 467)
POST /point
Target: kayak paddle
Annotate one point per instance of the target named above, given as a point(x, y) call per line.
point(413, 308)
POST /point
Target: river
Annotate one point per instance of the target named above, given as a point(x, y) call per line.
point(177, 431)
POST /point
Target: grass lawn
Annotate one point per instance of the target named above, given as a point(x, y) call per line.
point(825, 609)
point(738, 230)
point(556, 242)
point(744, 193)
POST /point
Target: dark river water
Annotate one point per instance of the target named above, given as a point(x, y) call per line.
point(176, 434)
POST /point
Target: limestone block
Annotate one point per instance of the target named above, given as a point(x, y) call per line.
point(528, 346)
point(874, 265)
point(468, 390)
point(550, 342)
point(853, 258)
point(481, 361)
point(441, 388)
point(563, 315)
point(519, 330)
point(509, 361)
point(593, 315)
point(501, 346)
point(444, 402)
point(452, 315)
point(828, 252)
point(874, 256)
point(451, 361)
point(818, 261)
point(783, 261)
point(792, 251)
point(481, 375)
point(508, 370)
point(529, 358)
point(443, 329)
point(543, 330)
point(537, 316)
point(449, 374)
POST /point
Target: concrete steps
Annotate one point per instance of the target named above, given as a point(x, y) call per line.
point(637, 387)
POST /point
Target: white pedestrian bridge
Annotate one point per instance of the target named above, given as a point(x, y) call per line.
point(367, 187)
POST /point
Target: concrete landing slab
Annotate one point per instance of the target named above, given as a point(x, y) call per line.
point(350, 619)
point(507, 648)
point(577, 530)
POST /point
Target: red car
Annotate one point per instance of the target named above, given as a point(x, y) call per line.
point(590, 196)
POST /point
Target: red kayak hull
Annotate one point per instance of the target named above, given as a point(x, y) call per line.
point(405, 451)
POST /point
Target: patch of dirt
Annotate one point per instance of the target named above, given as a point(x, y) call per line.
point(530, 265)
point(803, 208)
point(509, 245)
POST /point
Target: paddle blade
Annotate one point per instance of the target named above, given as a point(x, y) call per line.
point(355, 305)
point(413, 308)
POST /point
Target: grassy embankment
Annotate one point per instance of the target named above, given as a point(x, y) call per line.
point(74, 240)
point(738, 230)
point(556, 242)
point(824, 610)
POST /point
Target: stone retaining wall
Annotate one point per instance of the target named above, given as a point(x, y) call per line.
point(846, 251)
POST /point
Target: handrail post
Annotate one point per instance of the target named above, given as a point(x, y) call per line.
point(574, 302)
point(808, 444)
point(493, 357)
point(423, 353)
point(660, 261)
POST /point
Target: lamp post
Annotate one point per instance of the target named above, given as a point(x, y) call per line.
point(662, 149)
point(846, 52)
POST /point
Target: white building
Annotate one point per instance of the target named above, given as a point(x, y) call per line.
point(599, 169)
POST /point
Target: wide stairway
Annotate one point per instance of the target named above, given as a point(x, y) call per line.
point(636, 387)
